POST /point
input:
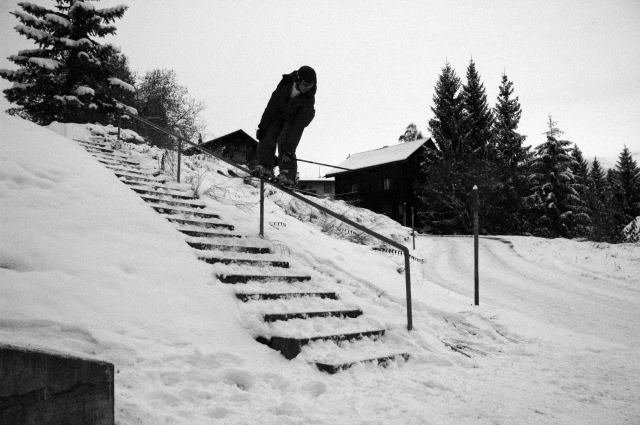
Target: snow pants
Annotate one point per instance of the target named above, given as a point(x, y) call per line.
point(277, 135)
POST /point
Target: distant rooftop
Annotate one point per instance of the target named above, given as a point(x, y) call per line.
point(384, 155)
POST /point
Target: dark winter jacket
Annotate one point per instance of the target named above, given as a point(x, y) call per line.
point(297, 112)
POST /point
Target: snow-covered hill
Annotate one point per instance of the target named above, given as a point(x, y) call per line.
point(87, 267)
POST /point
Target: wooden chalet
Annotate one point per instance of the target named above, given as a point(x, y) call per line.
point(382, 180)
point(323, 187)
point(237, 146)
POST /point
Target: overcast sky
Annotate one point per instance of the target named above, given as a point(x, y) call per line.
point(378, 61)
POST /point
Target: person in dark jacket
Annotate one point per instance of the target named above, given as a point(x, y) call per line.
point(289, 111)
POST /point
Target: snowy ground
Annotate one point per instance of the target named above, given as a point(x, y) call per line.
point(87, 267)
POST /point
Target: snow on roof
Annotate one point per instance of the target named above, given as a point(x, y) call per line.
point(379, 156)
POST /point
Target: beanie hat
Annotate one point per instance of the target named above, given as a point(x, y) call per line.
point(306, 73)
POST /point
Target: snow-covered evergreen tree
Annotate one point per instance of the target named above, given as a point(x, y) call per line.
point(627, 185)
point(446, 125)
point(597, 180)
point(410, 134)
point(508, 142)
point(554, 195)
point(511, 160)
point(599, 200)
point(478, 117)
point(67, 76)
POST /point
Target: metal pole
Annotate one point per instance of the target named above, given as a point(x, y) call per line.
point(404, 214)
point(261, 208)
point(407, 276)
point(179, 157)
point(475, 247)
point(413, 229)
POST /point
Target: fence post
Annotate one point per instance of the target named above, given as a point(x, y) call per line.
point(476, 278)
point(404, 214)
point(179, 157)
point(413, 229)
point(261, 208)
point(407, 276)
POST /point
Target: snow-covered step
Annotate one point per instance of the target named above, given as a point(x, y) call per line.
point(208, 245)
point(293, 305)
point(99, 155)
point(145, 190)
point(207, 224)
point(94, 144)
point(332, 357)
point(200, 232)
point(247, 261)
point(109, 153)
point(129, 179)
point(273, 317)
point(120, 163)
point(260, 278)
point(258, 296)
point(172, 209)
point(290, 347)
point(138, 171)
point(164, 201)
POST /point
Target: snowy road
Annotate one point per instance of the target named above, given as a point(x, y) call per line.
point(561, 282)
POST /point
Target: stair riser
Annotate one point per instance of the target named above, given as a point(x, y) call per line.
point(156, 184)
point(160, 194)
point(266, 296)
point(291, 347)
point(257, 263)
point(233, 279)
point(172, 202)
point(246, 249)
point(201, 224)
point(164, 210)
point(119, 161)
point(381, 361)
point(124, 170)
point(289, 316)
point(198, 234)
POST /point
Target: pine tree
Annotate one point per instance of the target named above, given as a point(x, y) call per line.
point(554, 195)
point(478, 117)
point(67, 77)
point(510, 158)
point(599, 201)
point(508, 142)
point(410, 134)
point(627, 187)
point(597, 180)
point(447, 109)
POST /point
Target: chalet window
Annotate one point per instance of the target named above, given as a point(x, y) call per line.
point(355, 187)
point(387, 183)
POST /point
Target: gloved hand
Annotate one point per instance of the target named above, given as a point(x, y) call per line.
point(259, 133)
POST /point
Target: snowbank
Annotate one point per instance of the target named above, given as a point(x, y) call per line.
point(86, 267)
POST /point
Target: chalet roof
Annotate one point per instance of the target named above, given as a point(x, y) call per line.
point(384, 155)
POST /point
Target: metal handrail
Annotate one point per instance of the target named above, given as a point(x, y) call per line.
point(404, 249)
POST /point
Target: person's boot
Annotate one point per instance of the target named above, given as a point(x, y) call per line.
point(284, 180)
point(262, 172)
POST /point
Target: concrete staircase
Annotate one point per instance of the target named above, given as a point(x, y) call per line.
point(293, 312)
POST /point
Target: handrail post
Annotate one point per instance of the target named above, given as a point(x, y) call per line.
point(261, 208)
point(407, 277)
point(179, 157)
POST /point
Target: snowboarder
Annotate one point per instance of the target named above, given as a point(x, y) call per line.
point(289, 111)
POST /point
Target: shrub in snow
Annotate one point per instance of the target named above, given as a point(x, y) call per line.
point(67, 77)
point(631, 231)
